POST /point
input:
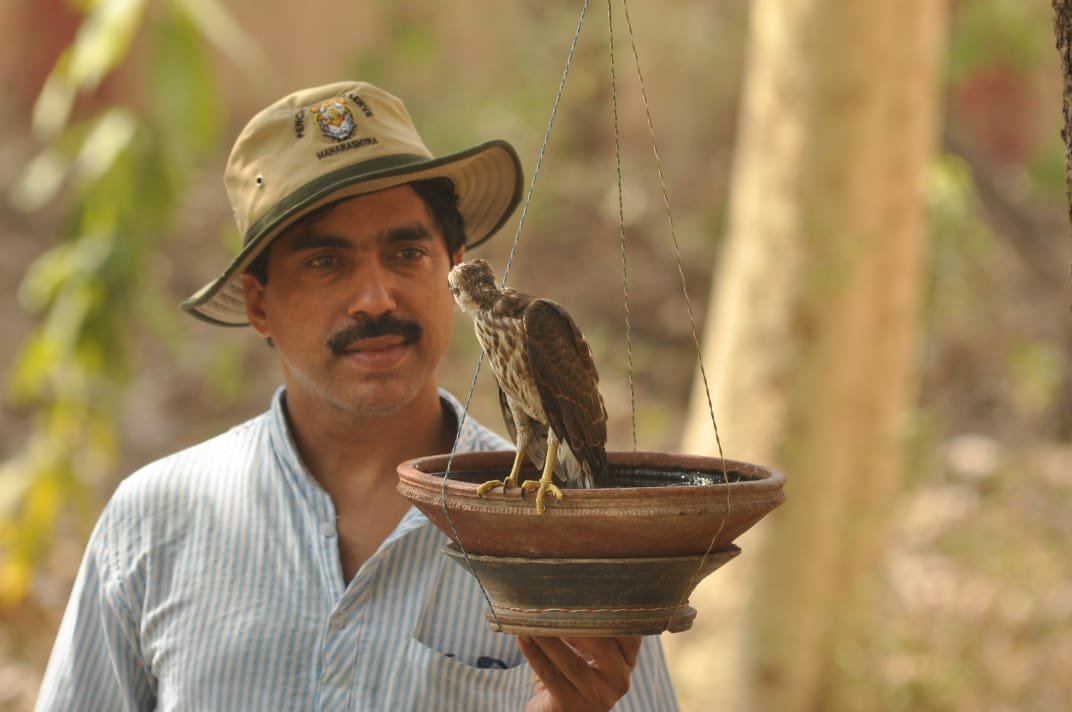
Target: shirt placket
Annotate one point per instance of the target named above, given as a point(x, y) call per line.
point(341, 634)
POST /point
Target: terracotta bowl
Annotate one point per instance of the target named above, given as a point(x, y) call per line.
point(621, 559)
point(658, 504)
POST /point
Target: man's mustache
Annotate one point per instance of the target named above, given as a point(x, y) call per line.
point(369, 327)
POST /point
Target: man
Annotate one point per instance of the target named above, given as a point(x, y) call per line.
point(275, 567)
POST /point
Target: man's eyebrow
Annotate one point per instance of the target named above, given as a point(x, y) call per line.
point(415, 232)
point(313, 241)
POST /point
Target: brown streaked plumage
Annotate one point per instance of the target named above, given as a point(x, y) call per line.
point(548, 383)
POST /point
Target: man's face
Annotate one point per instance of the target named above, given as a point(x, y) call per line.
point(357, 303)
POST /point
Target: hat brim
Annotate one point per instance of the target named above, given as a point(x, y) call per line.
point(487, 179)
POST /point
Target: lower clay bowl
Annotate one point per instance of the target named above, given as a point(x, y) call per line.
point(619, 559)
point(590, 597)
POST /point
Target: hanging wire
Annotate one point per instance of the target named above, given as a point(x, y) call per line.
point(688, 302)
point(621, 219)
point(443, 491)
point(480, 359)
point(546, 140)
point(673, 231)
point(621, 226)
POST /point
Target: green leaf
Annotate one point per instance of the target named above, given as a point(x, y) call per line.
point(38, 357)
point(15, 479)
point(41, 180)
point(60, 267)
point(109, 135)
point(53, 106)
point(130, 171)
point(103, 40)
point(223, 31)
point(184, 102)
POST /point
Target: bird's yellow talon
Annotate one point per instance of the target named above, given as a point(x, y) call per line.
point(542, 487)
point(489, 485)
point(510, 481)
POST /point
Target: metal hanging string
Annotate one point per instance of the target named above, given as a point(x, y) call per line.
point(480, 359)
point(677, 254)
point(685, 292)
point(621, 226)
point(673, 231)
point(443, 491)
point(546, 140)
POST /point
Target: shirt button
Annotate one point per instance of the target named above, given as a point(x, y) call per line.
point(337, 623)
point(327, 529)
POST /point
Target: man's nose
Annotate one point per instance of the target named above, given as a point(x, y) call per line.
point(373, 291)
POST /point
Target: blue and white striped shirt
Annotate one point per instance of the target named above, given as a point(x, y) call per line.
point(212, 582)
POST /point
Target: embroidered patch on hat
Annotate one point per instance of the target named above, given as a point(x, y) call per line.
point(334, 118)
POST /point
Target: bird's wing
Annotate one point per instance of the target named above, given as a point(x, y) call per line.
point(567, 381)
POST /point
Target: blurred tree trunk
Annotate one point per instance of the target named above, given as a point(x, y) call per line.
point(811, 339)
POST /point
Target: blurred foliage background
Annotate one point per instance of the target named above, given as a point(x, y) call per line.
point(117, 120)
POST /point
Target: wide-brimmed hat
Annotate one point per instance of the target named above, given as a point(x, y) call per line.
point(320, 145)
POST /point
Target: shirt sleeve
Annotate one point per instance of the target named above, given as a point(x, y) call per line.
point(96, 662)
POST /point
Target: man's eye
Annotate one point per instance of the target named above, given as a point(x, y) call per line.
point(323, 261)
point(411, 253)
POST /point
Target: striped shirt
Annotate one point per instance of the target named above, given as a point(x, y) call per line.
point(212, 582)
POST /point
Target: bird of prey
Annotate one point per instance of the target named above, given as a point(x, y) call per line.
point(548, 384)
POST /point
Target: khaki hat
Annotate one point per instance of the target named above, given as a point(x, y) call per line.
point(320, 145)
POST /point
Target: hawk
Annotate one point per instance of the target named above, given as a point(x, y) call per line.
point(548, 384)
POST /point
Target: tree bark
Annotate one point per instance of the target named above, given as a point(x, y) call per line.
point(1062, 25)
point(811, 339)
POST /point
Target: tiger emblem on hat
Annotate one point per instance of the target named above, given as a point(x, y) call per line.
point(334, 118)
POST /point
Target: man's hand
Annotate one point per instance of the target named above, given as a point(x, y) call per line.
point(579, 674)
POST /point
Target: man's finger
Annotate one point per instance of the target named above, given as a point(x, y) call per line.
point(608, 652)
point(541, 654)
point(583, 673)
point(630, 648)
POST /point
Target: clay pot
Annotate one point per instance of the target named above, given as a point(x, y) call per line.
point(620, 559)
point(590, 597)
point(658, 504)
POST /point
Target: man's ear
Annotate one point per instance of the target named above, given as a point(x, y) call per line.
point(254, 291)
point(456, 258)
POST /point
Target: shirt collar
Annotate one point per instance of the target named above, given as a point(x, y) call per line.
point(471, 432)
point(282, 441)
point(472, 436)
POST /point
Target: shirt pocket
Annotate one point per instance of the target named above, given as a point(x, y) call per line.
point(432, 680)
point(453, 624)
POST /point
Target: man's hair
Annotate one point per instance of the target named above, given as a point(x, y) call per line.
point(437, 193)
